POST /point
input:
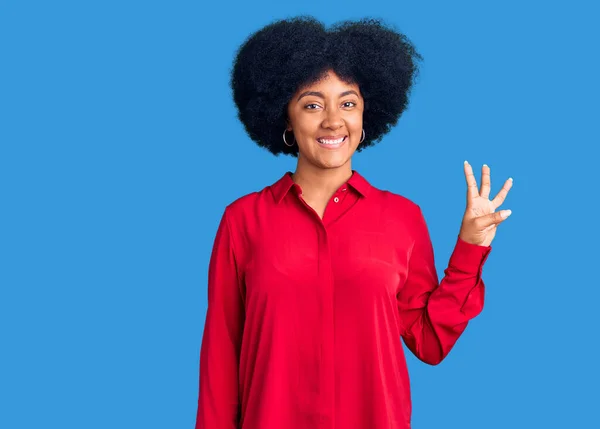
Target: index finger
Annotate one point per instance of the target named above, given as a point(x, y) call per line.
point(471, 182)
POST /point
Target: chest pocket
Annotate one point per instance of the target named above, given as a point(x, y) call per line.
point(368, 260)
point(281, 263)
point(369, 246)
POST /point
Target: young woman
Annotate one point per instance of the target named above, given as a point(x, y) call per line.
point(314, 279)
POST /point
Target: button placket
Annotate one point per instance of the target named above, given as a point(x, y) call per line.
point(327, 368)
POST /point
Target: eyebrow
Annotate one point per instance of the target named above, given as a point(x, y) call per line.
point(320, 94)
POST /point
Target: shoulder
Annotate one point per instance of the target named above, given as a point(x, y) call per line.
point(249, 204)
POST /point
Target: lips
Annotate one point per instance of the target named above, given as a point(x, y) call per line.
point(331, 139)
point(332, 142)
point(339, 136)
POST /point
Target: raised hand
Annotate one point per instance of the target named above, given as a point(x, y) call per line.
point(480, 221)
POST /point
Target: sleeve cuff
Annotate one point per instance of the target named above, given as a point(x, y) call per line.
point(469, 258)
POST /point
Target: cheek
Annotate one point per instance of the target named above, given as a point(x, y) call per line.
point(355, 120)
point(307, 126)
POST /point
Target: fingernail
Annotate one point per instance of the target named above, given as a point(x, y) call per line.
point(505, 213)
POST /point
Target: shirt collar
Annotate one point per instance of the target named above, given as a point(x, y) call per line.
point(285, 183)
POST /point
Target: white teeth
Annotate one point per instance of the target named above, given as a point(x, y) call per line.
point(338, 141)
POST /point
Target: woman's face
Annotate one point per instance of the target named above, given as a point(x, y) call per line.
point(326, 119)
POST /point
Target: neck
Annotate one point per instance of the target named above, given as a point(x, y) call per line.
point(320, 182)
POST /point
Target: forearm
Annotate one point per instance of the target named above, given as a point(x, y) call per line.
point(435, 319)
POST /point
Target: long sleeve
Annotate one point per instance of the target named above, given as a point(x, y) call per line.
point(433, 315)
point(218, 399)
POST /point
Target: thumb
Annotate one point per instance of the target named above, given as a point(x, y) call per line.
point(494, 218)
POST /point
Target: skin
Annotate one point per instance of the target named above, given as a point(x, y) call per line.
point(480, 221)
point(338, 110)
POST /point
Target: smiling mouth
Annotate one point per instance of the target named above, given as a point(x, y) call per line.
point(332, 144)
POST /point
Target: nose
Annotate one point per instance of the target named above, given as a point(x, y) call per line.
point(333, 119)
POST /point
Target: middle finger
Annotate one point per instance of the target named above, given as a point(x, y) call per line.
point(485, 181)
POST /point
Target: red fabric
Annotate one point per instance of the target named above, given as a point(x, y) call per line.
point(305, 315)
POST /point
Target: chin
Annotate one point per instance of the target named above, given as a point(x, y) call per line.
point(327, 159)
point(329, 164)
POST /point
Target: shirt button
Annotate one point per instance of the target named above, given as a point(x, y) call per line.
point(336, 199)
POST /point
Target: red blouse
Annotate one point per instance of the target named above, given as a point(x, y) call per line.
point(305, 315)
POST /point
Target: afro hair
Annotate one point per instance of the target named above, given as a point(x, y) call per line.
point(277, 60)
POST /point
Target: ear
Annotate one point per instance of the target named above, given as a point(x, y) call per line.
point(288, 126)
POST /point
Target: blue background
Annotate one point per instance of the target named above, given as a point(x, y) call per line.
point(120, 149)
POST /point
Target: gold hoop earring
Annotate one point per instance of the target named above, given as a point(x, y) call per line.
point(284, 140)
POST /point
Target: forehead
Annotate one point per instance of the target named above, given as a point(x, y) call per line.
point(329, 83)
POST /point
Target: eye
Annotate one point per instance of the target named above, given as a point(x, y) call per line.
point(349, 102)
point(312, 104)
